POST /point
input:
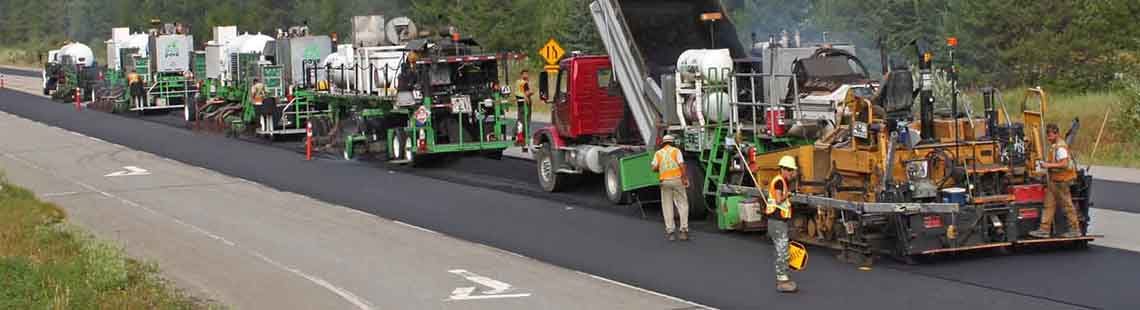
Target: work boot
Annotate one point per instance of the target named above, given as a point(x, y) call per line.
point(1071, 234)
point(684, 235)
point(786, 286)
point(1039, 233)
point(669, 236)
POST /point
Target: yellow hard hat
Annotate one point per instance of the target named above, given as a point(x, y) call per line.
point(788, 162)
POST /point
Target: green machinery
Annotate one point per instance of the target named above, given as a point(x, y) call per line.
point(437, 106)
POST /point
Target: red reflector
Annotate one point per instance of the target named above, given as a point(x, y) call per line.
point(1028, 213)
point(932, 221)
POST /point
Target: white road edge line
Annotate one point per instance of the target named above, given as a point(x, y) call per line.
point(61, 194)
point(619, 283)
point(343, 293)
point(416, 227)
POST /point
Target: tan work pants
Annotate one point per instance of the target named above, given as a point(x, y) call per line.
point(1058, 192)
point(673, 194)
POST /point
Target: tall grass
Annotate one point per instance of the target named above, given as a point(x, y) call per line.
point(1117, 147)
point(47, 264)
point(18, 58)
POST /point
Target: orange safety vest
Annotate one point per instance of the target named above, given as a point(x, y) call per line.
point(784, 207)
point(668, 163)
point(1062, 174)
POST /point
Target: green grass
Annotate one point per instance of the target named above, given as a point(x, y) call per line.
point(48, 264)
point(1118, 146)
point(18, 58)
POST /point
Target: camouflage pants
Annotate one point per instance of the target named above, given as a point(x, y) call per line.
point(778, 230)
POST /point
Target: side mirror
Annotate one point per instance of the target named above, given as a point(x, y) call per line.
point(614, 89)
point(543, 85)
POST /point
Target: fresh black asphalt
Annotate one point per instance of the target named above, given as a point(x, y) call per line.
point(726, 270)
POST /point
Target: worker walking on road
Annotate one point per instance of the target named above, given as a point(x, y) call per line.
point(779, 213)
point(135, 88)
point(257, 97)
point(522, 100)
point(1062, 172)
point(670, 167)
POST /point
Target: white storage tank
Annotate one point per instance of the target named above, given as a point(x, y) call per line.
point(79, 54)
point(714, 107)
point(335, 61)
point(713, 66)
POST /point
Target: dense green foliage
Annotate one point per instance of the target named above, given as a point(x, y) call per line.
point(1074, 45)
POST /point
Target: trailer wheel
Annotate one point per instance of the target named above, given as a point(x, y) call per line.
point(190, 110)
point(698, 203)
point(548, 175)
point(613, 183)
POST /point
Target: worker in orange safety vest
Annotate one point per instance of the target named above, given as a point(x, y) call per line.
point(779, 213)
point(669, 163)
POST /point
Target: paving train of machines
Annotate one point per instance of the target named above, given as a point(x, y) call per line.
point(72, 66)
point(410, 95)
point(166, 68)
point(232, 64)
point(874, 180)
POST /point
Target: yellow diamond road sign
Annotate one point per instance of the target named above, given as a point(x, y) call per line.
point(551, 52)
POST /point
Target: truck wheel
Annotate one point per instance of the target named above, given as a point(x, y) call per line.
point(698, 203)
point(395, 146)
point(548, 175)
point(190, 110)
point(613, 183)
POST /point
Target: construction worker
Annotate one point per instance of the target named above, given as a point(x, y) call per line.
point(522, 100)
point(779, 213)
point(1062, 172)
point(670, 167)
point(257, 96)
point(135, 88)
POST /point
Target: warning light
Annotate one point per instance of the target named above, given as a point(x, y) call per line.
point(927, 57)
point(952, 41)
point(713, 16)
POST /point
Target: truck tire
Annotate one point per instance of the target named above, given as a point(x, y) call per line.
point(547, 167)
point(698, 203)
point(190, 110)
point(613, 183)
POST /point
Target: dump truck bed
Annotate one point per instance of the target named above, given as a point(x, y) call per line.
point(644, 38)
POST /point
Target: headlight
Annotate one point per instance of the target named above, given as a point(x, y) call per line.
point(917, 169)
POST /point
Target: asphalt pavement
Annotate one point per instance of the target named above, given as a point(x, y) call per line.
point(281, 250)
point(495, 203)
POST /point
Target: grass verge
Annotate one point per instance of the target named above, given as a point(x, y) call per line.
point(1118, 146)
point(48, 264)
point(18, 58)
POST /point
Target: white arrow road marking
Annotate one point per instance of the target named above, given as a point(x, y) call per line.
point(130, 171)
point(497, 288)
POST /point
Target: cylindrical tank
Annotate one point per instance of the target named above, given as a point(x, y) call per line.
point(254, 44)
point(139, 41)
point(714, 107)
point(330, 70)
point(79, 53)
point(713, 65)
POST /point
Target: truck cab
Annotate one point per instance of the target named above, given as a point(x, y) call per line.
point(584, 103)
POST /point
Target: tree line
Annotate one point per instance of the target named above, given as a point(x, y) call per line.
point(1074, 45)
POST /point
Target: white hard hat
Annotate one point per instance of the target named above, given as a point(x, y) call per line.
point(668, 139)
